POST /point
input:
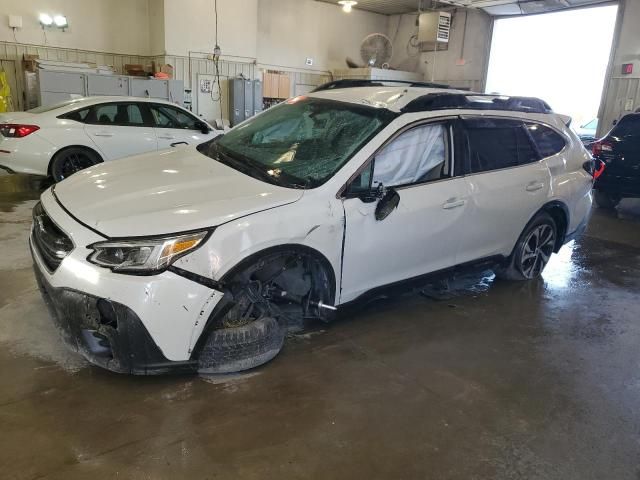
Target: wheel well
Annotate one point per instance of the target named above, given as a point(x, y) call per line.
point(560, 214)
point(64, 149)
point(287, 249)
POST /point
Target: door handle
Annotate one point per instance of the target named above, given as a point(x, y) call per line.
point(175, 144)
point(453, 203)
point(535, 186)
point(103, 134)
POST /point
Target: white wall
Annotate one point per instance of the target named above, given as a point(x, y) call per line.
point(443, 67)
point(289, 31)
point(114, 26)
point(190, 25)
point(156, 27)
point(623, 91)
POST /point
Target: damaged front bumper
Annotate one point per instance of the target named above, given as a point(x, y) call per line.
point(106, 333)
point(125, 323)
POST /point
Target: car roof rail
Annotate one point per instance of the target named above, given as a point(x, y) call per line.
point(360, 82)
point(476, 101)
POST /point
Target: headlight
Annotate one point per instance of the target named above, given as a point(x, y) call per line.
point(144, 256)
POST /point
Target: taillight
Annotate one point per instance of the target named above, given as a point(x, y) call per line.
point(594, 167)
point(13, 130)
point(601, 146)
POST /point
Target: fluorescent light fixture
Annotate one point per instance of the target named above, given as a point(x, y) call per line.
point(60, 21)
point(45, 19)
point(347, 5)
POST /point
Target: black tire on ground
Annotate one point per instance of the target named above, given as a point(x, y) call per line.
point(241, 348)
point(533, 250)
point(71, 160)
point(606, 200)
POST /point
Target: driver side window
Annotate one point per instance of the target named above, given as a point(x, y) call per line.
point(418, 155)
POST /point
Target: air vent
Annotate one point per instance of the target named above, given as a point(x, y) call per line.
point(434, 30)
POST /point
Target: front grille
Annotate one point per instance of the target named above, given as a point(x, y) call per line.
point(51, 243)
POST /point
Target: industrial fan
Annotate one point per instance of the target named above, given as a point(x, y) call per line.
point(376, 50)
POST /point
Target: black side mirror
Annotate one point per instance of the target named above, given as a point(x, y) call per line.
point(203, 127)
point(387, 204)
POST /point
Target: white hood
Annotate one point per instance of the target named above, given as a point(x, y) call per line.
point(165, 192)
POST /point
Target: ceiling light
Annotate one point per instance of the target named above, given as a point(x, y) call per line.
point(45, 19)
point(347, 5)
point(60, 21)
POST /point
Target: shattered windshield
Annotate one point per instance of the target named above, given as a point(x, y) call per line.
point(300, 143)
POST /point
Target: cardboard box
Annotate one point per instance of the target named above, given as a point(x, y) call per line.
point(135, 69)
point(168, 69)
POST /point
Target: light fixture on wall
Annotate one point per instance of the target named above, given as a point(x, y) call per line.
point(347, 5)
point(45, 20)
point(59, 21)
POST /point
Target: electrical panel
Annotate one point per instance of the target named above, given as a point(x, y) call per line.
point(434, 30)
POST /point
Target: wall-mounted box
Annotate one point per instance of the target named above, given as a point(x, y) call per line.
point(15, 21)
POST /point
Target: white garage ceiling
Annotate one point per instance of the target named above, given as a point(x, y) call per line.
point(492, 7)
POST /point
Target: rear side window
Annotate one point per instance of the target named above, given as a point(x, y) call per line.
point(496, 143)
point(629, 126)
point(118, 114)
point(549, 142)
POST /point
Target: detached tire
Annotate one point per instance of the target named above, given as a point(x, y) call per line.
point(71, 160)
point(533, 250)
point(606, 200)
point(240, 348)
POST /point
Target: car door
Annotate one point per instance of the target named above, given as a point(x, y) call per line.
point(422, 233)
point(121, 129)
point(176, 126)
point(508, 181)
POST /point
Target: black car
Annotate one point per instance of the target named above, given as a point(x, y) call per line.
point(620, 152)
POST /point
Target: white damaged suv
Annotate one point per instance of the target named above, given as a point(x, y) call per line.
point(203, 258)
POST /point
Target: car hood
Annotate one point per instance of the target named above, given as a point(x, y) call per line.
point(165, 192)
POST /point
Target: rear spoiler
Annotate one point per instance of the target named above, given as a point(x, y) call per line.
point(566, 119)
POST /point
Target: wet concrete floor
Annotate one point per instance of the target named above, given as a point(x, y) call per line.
point(495, 381)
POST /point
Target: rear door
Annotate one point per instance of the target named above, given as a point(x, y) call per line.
point(174, 125)
point(121, 129)
point(508, 182)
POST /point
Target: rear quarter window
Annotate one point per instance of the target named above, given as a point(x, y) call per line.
point(77, 115)
point(629, 126)
point(548, 141)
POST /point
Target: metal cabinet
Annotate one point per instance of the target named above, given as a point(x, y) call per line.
point(55, 86)
point(107, 85)
point(245, 99)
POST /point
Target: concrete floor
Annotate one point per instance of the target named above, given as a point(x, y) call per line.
point(499, 381)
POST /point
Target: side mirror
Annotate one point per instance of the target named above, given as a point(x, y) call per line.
point(387, 204)
point(203, 127)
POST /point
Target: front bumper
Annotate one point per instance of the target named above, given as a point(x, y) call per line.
point(106, 333)
point(126, 323)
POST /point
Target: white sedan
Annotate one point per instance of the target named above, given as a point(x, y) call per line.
point(61, 139)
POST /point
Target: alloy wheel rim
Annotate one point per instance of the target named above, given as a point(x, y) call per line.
point(73, 164)
point(537, 250)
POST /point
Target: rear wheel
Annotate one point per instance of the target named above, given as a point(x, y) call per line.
point(606, 200)
point(72, 160)
point(533, 250)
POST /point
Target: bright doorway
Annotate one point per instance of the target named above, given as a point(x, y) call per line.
point(560, 57)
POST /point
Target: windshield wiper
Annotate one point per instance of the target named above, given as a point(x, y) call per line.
point(245, 165)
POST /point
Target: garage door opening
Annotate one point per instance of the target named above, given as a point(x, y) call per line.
point(560, 57)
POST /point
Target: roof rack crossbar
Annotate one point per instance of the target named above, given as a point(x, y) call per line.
point(476, 101)
point(357, 82)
